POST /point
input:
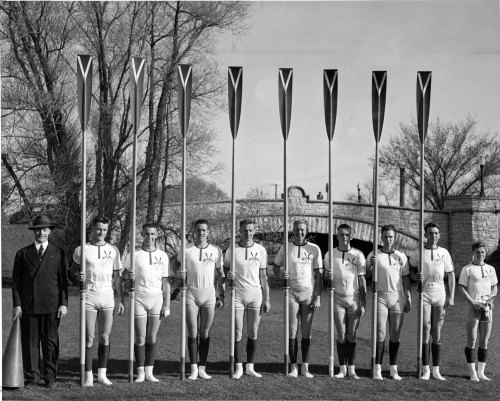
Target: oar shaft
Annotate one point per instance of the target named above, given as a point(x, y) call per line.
point(183, 261)
point(331, 294)
point(233, 261)
point(420, 262)
point(375, 267)
point(285, 253)
point(82, 260)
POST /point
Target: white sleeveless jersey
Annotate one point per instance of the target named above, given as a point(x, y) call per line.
point(249, 262)
point(391, 268)
point(101, 261)
point(201, 264)
point(303, 260)
point(436, 262)
point(150, 268)
point(347, 266)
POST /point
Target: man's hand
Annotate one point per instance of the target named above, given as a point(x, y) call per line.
point(165, 311)
point(330, 274)
point(128, 275)
point(449, 302)
point(266, 306)
point(285, 275)
point(120, 310)
point(17, 312)
point(230, 275)
point(219, 304)
point(80, 276)
point(407, 306)
point(62, 311)
point(316, 304)
point(362, 310)
point(420, 277)
point(181, 274)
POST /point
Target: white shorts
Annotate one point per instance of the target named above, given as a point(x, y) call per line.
point(434, 296)
point(95, 301)
point(301, 296)
point(391, 301)
point(148, 304)
point(347, 302)
point(248, 298)
point(201, 297)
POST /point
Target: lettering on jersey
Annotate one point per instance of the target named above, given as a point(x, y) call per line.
point(254, 258)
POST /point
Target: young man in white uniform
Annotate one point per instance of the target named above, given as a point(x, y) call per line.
point(436, 262)
point(478, 284)
point(152, 299)
point(102, 269)
point(348, 277)
point(251, 292)
point(394, 298)
point(203, 262)
point(304, 274)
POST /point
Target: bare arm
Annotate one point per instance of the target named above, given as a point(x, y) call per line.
point(407, 293)
point(451, 286)
point(265, 290)
point(362, 293)
point(165, 288)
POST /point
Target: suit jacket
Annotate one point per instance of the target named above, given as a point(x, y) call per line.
point(40, 287)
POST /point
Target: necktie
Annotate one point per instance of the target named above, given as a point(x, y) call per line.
point(40, 253)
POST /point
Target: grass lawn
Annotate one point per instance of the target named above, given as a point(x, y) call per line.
point(273, 385)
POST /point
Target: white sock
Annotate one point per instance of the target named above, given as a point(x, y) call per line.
point(194, 372)
point(89, 379)
point(480, 371)
point(203, 374)
point(305, 370)
point(101, 377)
point(377, 374)
point(436, 375)
point(238, 372)
point(342, 373)
point(294, 372)
point(140, 374)
point(426, 372)
point(251, 372)
point(149, 374)
point(393, 369)
point(472, 372)
point(352, 372)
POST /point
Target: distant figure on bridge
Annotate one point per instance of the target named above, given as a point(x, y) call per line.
point(394, 298)
point(251, 293)
point(152, 299)
point(203, 265)
point(436, 262)
point(348, 277)
point(305, 275)
point(478, 284)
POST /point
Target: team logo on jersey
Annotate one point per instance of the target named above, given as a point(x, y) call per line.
point(157, 261)
point(350, 263)
point(108, 257)
point(254, 258)
point(306, 258)
point(440, 259)
point(208, 259)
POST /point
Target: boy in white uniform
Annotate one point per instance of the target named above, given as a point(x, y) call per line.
point(394, 298)
point(348, 277)
point(478, 284)
point(436, 262)
point(152, 299)
point(203, 262)
point(102, 269)
point(251, 293)
point(304, 275)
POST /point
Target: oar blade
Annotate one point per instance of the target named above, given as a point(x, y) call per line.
point(285, 83)
point(379, 88)
point(184, 88)
point(330, 93)
point(423, 102)
point(137, 68)
point(84, 87)
point(235, 91)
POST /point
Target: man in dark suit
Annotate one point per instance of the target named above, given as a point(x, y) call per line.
point(40, 299)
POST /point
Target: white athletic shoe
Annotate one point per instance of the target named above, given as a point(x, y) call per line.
point(426, 373)
point(393, 372)
point(194, 372)
point(304, 371)
point(89, 379)
point(352, 372)
point(480, 371)
point(342, 373)
point(149, 375)
point(377, 375)
point(238, 372)
point(101, 377)
point(294, 372)
point(203, 374)
point(140, 375)
point(251, 372)
point(436, 375)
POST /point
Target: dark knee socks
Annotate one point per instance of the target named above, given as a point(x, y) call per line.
point(238, 351)
point(393, 352)
point(150, 354)
point(305, 343)
point(193, 349)
point(140, 353)
point(482, 353)
point(470, 355)
point(351, 353)
point(89, 356)
point(293, 344)
point(251, 350)
point(436, 354)
point(341, 353)
point(379, 354)
point(425, 354)
point(204, 346)
point(103, 355)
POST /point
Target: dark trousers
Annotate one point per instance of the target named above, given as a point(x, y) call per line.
point(36, 330)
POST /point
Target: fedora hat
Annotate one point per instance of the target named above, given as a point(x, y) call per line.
point(41, 221)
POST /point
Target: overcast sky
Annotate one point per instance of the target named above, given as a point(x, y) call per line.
point(459, 41)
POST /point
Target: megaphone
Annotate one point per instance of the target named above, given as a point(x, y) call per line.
point(12, 360)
